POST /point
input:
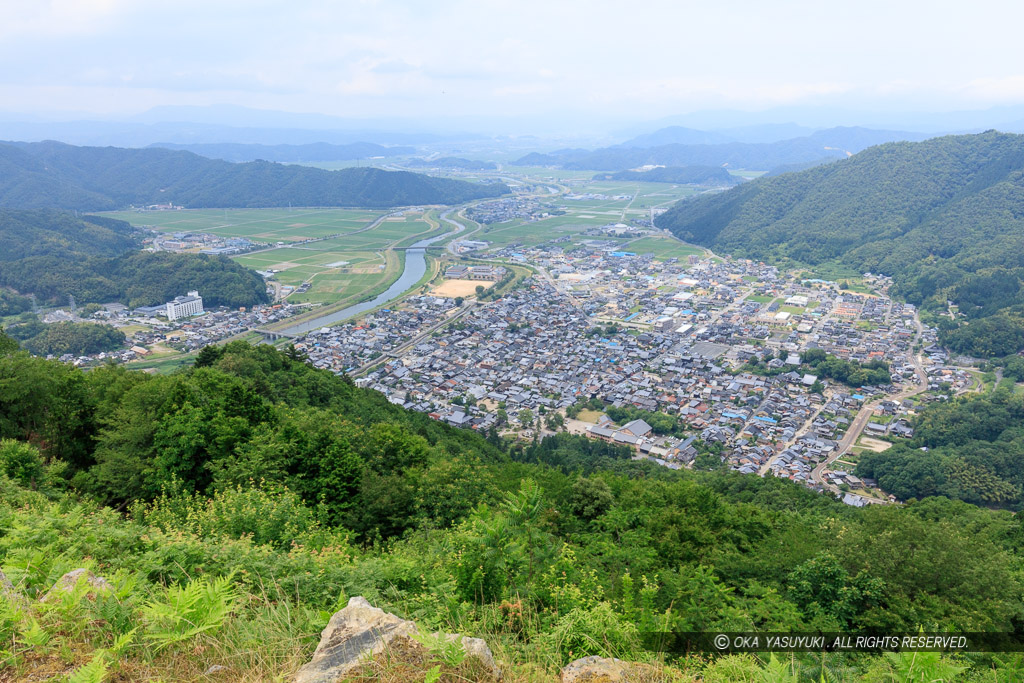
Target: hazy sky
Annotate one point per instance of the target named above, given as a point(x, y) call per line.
point(639, 58)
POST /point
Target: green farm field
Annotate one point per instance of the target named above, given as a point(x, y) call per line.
point(338, 268)
point(261, 225)
point(663, 248)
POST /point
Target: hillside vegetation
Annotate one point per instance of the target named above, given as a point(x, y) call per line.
point(53, 254)
point(252, 495)
point(55, 175)
point(944, 218)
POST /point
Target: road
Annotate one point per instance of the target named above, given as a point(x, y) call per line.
point(796, 435)
point(383, 358)
point(865, 413)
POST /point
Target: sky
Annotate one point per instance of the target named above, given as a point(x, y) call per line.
point(619, 60)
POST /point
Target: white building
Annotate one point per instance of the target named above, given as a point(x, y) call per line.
point(185, 306)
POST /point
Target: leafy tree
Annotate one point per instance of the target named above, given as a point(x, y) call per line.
point(21, 462)
point(590, 498)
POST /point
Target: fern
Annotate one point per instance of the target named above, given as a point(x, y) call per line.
point(35, 635)
point(93, 672)
point(185, 612)
point(440, 647)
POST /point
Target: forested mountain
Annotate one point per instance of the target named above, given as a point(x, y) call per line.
point(279, 491)
point(55, 175)
point(317, 151)
point(53, 254)
point(944, 218)
point(834, 142)
point(682, 175)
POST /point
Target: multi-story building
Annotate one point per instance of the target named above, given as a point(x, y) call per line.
point(185, 306)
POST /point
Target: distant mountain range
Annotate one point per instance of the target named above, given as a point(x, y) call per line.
point(943, 217)
point(55, 175)
point(834, 143)
point(681, 175)
point(319, 151)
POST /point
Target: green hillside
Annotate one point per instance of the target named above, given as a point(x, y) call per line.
point(55, 175)
point(53, 254)
point(944, 218)
point(251, 495)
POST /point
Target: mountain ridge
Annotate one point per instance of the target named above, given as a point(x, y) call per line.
point(54, 175)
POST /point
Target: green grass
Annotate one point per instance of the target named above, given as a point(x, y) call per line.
point(663, 248)
point(164, 364)
point(262, 225)
point(319, 263)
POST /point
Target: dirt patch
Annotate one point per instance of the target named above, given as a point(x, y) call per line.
point(454, 288)
point(283, 266)
point(875, 445)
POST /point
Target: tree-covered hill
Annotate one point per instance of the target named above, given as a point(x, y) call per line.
point(55, 175)
point(251, 495)
point(682, 175)
point(944, 218)
point(53, 254)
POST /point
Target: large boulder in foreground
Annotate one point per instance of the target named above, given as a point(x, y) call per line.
point(361, 632)
point(607, 670)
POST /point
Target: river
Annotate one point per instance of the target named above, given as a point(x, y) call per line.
point(415, 267)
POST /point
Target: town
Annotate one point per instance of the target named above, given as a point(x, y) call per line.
point(692, 362)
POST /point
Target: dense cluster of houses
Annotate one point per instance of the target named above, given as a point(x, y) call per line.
point(635, 332)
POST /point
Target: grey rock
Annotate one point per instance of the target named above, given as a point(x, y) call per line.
point(67, 583)
point(360, 632)
point(215, 669)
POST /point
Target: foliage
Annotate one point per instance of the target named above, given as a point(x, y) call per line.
point(75, 338)
point(184, 612)
point(52, 174)
point(53, 254)
point(21, 462)
point(972, 451)
point(262, 492)
point(660, 422)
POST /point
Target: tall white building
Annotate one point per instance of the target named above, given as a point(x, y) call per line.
point(184, 306)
